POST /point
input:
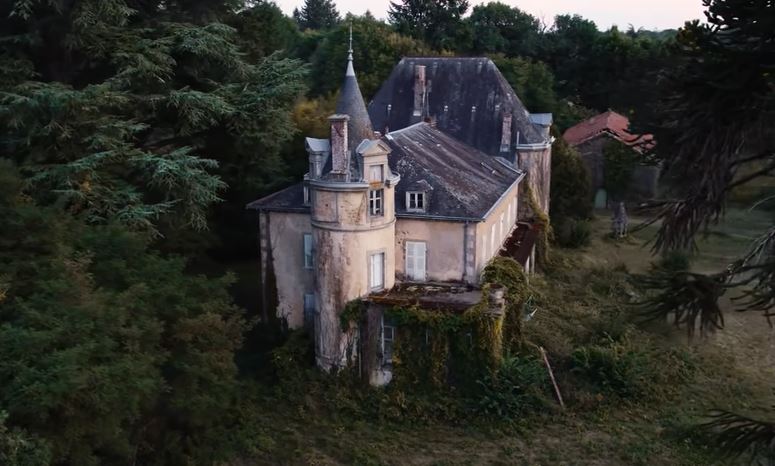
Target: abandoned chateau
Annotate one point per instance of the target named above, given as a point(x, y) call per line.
point(418, 191)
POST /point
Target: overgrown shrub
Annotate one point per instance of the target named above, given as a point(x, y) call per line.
point(615, 367)
point(294, 358)
point(505, 271)
point(573, 234)
point(515, 389)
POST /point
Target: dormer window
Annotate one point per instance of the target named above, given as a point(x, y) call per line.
point(415, 201)
point(376, 174)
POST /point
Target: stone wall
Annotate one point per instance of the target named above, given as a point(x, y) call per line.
point(284, 234)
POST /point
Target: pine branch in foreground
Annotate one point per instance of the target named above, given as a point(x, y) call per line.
point(735, 435)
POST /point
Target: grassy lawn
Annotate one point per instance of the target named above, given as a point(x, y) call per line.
point(732, 369)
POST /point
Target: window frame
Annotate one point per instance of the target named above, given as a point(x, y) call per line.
point(308, 257)
point(380, 286)
point(376, 202)
point(309, 309)
point(381, 168)
point(419, 197)
point(387, 357)
point(493, 249)
point(424, 261)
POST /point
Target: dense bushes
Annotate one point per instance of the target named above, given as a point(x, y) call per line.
point(518, 387)
point(615, 367)
point(573, 233)
point(109, 351)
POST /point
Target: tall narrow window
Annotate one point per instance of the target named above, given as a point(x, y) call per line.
point(388, 338)
point(306, 195)
point(375, 202)
point(415, 201)
point(309, 310)
point(309, 260)
point(508, 218)
point(503, 225)
point(376, 173)
point(377, 271)
point(415, 261)
point(493, 248)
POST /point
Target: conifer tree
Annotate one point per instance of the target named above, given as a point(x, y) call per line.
point(133, 113)
point(109, 353)
point(716, 135)
point(316, 14)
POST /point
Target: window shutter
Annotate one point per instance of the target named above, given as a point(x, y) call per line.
point(308, 260)
point(410, 260)
point(377, 270)
point(419, 265)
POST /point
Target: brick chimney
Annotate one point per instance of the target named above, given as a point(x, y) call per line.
point(340, 155)
point(506, 133)
point(419, 90)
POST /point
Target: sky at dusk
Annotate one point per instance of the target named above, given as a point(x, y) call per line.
point(648, 14)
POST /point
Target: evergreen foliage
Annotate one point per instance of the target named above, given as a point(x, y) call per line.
point(116, 115)
point(437, 22)
point(571, 193)
point(376, 50)
point(500, 28)
point(316, 14)
point(108, 351)
point(619, 163)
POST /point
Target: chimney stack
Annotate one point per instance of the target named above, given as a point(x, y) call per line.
point(340, 155)
point(506, 133)
point(419, 90)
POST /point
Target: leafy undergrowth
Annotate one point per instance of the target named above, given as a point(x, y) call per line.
point(632, 394)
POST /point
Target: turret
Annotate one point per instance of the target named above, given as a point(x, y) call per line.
point(353, 219)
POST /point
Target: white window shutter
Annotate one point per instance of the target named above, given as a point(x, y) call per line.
point(419, 265)
point(410, 254)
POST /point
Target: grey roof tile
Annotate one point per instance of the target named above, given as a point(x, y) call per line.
point(464, 182)
point(455, 87)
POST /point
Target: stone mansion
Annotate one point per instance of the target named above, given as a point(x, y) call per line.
point(423, 186)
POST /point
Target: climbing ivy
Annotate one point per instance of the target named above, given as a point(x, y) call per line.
point(439, 348)
point(543, 222)
point(353, 312)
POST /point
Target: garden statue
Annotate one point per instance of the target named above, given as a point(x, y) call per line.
point(620, 221)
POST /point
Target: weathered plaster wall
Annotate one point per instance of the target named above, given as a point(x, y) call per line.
point(508, 207)
point(444, 247)
point(344, 237)
point(286, 231)
point(538, 166)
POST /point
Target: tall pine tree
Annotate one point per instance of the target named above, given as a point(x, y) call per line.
point(316, 14)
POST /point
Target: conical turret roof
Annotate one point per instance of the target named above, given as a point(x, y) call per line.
point(351, 103)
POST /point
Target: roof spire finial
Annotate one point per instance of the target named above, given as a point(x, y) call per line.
point(350, 69)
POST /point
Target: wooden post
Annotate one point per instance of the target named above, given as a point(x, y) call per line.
point(551, 376)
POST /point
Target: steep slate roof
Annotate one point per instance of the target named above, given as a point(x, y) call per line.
point(464, 183)
point(609, 123)
point(351, 103)
point(457, 84)
point(290, 199)
point(461, 182)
